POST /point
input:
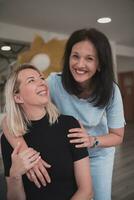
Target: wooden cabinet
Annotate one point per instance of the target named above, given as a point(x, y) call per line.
point(126, 83)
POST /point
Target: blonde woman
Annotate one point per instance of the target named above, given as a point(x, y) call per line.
point(31, 114)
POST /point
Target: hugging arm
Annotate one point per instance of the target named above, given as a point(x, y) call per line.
point(115, 125)
point(81, 138)
point(15, 189)
point(20, 163)
point(38, 173)
point(83, 180)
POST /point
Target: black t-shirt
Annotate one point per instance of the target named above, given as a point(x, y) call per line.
point(52, 143)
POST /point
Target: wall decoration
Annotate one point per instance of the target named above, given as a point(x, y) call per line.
point(47, 56)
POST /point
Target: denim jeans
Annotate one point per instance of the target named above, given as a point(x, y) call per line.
point(101, 171)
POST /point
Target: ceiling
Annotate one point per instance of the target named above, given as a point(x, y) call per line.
point(65, 16)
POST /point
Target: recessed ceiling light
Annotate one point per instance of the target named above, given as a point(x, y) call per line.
point(6, 48)
point(104, 20)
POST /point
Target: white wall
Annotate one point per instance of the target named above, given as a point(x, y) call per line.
point(125, 64)
point(125, 58)
point(125, 51)
point(18, 33)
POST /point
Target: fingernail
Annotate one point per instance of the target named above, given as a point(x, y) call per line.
point(44, 184)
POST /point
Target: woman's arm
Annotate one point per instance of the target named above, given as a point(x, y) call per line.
point(83, 180)
point(12, 139)
point(115, 122)
point(113, 138)
point(15, 189)
point(39, 171)
point(21, 162)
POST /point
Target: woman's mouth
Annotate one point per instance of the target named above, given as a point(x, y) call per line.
point(42, 92)
point(80, 71)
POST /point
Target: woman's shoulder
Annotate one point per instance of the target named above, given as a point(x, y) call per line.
point(69, 117)
point(54, 81)
point(68, 120)
point(3, 138)
point(116, 98)
point(53, 77)
point(4, 143)
point(116, 90)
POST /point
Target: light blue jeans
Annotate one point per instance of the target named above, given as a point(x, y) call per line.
point(101, 171)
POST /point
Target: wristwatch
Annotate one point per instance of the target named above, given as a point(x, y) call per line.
point(96, 142)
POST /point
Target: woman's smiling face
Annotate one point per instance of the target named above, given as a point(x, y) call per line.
point(83, 62)
point(33, 90)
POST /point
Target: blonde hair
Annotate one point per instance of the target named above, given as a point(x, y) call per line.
point(17, 120)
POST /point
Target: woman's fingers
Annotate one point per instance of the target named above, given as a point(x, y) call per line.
point(33, 162)
point(44, 176)
point(34, 178)
point(76, 135)
point(44, 171)
point(80, 140)
point(39, 174)
point(30, 160)
point(26, 153)
point(73, 130)
point(45, 164)
point(28, 175)
point(81, 145)
point(33, 157)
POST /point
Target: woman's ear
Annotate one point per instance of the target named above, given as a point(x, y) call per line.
point(18, 98)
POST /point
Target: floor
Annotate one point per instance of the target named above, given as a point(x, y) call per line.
point(123, 177)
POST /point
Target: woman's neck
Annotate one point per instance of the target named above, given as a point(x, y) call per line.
point(35, 114)
point(84, 94)
point(86, 91)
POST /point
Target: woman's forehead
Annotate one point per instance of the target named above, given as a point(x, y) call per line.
point(29, 72)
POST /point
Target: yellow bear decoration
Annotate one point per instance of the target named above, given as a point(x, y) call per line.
point(47, 56)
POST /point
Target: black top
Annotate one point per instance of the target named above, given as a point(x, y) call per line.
point(52, 142)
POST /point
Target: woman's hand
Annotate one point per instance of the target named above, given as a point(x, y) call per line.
point(38, 174)
point(80, 137)
point(22, 162)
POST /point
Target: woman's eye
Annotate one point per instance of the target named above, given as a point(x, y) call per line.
point(75, 56)
point(42, 78)
point(89, 58)
point(31, 80)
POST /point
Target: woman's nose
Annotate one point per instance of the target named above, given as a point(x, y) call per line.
point(81, 63)
point(41, 81)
